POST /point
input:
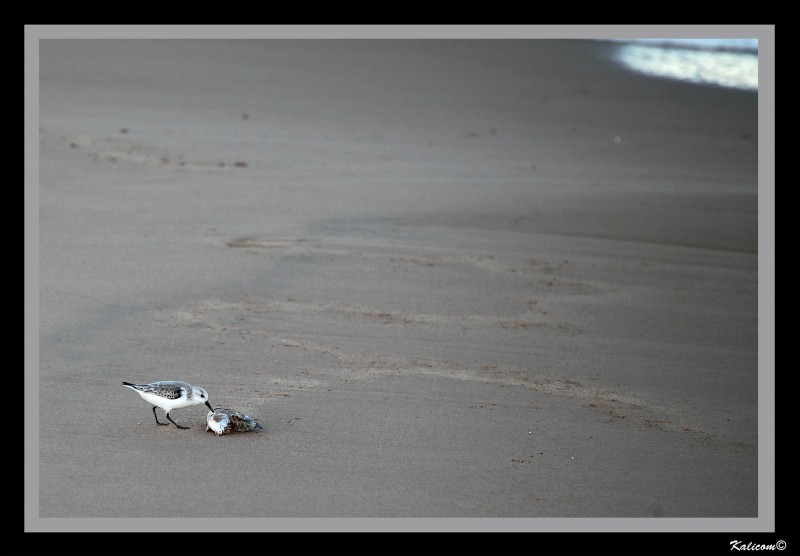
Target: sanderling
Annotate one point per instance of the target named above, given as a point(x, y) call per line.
point(169, 395)
point(226, 421)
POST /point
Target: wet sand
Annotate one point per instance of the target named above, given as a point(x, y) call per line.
point(449, 278)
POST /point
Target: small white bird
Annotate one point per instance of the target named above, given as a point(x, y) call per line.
point(169, 395)
point(225, 421)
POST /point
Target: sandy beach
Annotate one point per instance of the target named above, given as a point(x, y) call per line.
point(459, 279)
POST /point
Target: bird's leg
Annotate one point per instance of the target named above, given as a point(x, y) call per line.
point(156, 416)
point(174, 423)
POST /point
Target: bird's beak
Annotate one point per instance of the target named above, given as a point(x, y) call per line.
point(209, 406)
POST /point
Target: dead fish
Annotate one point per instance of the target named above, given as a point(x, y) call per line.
point(225, 421)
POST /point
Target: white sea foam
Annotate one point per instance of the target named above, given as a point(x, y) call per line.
point(723, 62)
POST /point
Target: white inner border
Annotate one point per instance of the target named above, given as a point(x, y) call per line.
point(765, 522)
